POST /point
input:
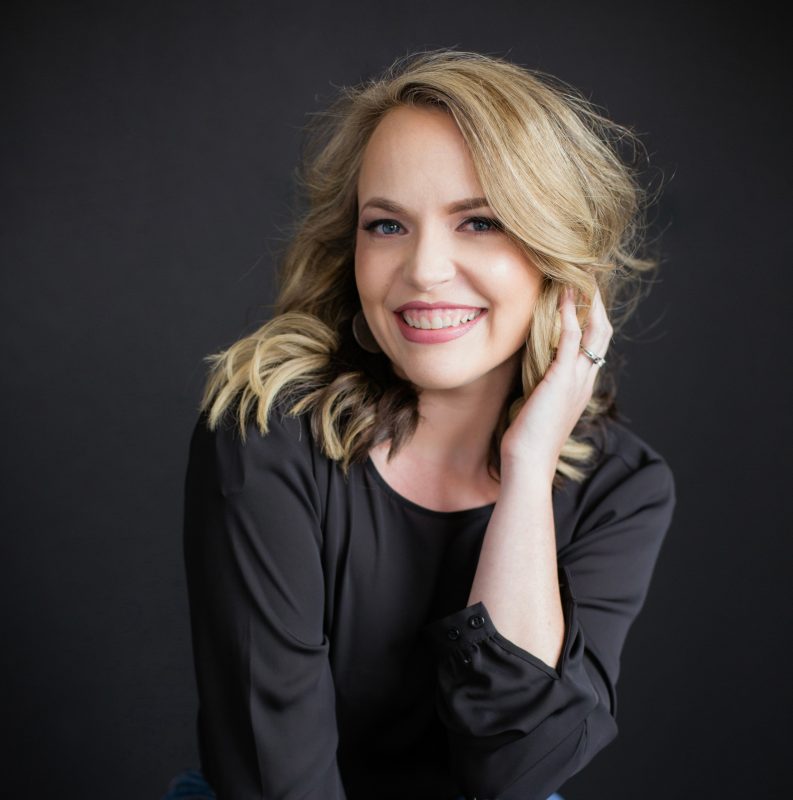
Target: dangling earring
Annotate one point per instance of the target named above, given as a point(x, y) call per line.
point(363, 335)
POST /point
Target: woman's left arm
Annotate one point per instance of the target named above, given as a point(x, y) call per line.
point(517, 726)
point(527, 671)
point(516, 576)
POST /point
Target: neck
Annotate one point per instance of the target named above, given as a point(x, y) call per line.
point(456, 425)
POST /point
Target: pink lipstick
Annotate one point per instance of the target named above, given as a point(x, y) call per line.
point(437, 335)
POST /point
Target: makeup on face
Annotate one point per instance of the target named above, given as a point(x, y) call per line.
point(446, 292)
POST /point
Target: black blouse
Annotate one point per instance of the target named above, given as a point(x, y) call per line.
point(335, 655)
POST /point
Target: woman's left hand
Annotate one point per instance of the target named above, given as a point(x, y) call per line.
point(546, 420)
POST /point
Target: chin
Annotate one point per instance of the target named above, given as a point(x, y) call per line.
point(435, 379)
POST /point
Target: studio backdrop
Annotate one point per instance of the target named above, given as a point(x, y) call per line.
point(148, 154)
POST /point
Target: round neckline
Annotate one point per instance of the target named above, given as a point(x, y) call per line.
point(393, 493)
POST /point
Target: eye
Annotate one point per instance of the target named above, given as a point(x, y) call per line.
point(484, 224)
point(387, 227)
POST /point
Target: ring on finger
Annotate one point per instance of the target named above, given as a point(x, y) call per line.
point(597, 360)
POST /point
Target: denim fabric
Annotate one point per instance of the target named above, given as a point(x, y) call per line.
point(191, 785)
point(554, 796)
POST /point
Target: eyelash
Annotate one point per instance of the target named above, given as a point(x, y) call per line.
point(494, 223)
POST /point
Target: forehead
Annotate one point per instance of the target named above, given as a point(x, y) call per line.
point(419, 146)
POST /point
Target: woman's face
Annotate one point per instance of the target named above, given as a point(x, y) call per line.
point(429, 255)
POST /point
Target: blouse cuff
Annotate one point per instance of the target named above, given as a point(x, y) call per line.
point(458, 634)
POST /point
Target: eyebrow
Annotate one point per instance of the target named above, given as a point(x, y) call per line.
point(469, 204)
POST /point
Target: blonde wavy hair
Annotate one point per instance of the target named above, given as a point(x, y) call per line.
point(556, 174)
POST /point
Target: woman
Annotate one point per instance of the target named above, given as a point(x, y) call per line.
point(416, 534)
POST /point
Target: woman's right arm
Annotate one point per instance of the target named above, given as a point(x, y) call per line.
point(252, 547)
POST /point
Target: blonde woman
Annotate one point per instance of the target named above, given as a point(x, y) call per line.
point(416, 534)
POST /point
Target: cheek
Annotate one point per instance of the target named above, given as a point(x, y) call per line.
point(514, 291)
point(368, 286)
point(372, 276)
point(364, 273)
point(512, 283)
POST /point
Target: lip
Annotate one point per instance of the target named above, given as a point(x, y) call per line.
point(438, 304)
point(429, 336)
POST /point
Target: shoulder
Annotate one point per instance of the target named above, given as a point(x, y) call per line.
point(618, 441)
point(620, 452)
point(240, 452)
point(628, 479)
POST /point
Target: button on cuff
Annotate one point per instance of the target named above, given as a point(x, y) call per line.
point(459, 629)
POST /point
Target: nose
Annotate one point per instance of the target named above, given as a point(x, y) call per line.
point(430, 261)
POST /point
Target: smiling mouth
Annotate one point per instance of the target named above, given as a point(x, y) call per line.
point(438, 318)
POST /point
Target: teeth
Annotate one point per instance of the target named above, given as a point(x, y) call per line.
point(435, 320)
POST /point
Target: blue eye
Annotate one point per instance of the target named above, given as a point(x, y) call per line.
point(483, 224)
point(388, 227)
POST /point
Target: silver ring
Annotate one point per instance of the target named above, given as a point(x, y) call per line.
point(597, 360)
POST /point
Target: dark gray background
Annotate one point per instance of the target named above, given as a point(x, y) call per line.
point(147, 156)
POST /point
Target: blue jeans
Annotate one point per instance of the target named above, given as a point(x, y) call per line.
point(192, 785)
point(189, 785)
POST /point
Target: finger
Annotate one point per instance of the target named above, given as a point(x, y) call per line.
point(570, 337)
point(597, 318)
point(593, 360)
point(598, 331)
point(595, 341)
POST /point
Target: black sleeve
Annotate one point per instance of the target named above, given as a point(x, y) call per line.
point(252, 545)
point(517, 727)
